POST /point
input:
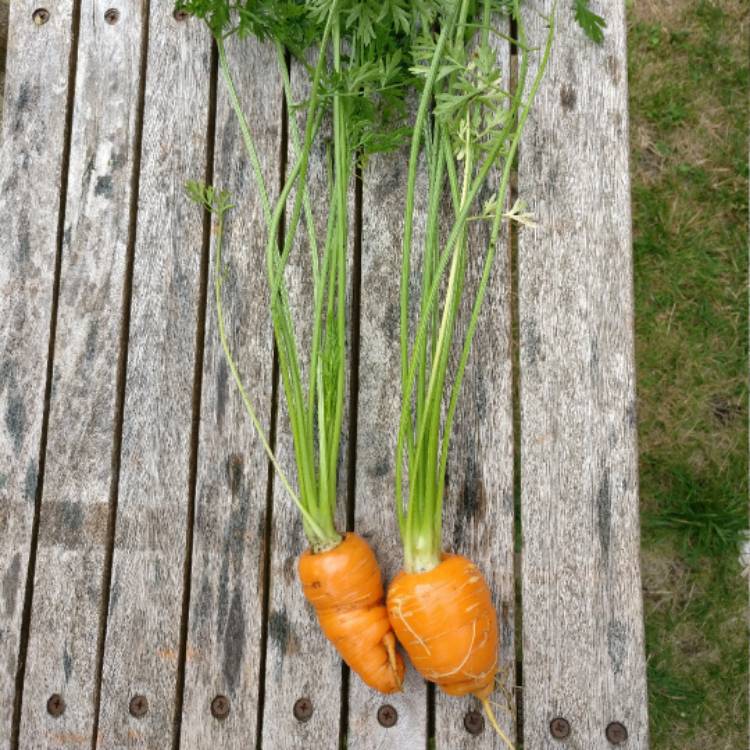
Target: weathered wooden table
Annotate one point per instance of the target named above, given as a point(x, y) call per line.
point(148, 594)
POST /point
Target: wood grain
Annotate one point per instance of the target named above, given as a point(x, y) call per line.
point(300, 662)
point(583, 632)
point(379, 401)
point(478, 511)
point(31, 164)
point(62, 655)
point(145, 602)
point(582, 625)
point(4, 14)
point(224, 637)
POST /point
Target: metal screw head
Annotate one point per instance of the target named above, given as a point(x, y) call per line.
point(138, 706)
point(55, 705)
point(220, 707)
point(40, 16)
point(180, 14)
point(303, 709)
point(474, 722)
point(387, 716)
point(112, 16)
point(616, 733)
point(560, 728)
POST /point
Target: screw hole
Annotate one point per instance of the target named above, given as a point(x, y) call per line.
point(40, 16)
point(138, 706)
point(474, 722)
point(387, 716)
point(616, 733)
point(303, 709)
point(220, 707)
point(112, 16)
point(55, 705)
point(559, 728)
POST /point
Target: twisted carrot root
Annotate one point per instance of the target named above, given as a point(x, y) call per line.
point(345, 587)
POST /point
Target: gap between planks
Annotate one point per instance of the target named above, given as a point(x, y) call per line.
point(200, 340)
point(275, 390)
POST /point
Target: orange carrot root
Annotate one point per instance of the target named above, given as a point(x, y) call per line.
point(446, 621)
point(345, 587)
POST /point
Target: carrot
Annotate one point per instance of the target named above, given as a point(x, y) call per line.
point(440, 606)
point(446, 622)
point(345, 587)
point(347, 117)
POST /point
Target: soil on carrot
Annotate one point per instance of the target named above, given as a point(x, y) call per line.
point(689, 124)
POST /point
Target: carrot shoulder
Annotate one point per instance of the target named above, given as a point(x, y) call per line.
point(446, 622)
point(345, 587)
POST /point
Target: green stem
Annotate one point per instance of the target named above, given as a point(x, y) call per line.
point(294, 130)
point(244, 129)
point(282, 324)
point(424, 103)
point(420, 522)
point(283, 327)
point(440, 363)
point(436, 172)
point(411, 179)
point(445, 258)
point(493, 241)
point(319, 275)
point(341, 161)
point(310, 129)
point(218, 282)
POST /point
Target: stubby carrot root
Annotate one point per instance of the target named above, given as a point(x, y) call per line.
point(446, 621)
point(345, 587)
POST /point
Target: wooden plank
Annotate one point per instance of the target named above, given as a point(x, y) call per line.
point(73, 538)
point(4, 13)
point(478, 512)
point(145, 605)
point(582, 625)
point(379, 401)
point(300, 662)
point(224, 639)
point(31, 165)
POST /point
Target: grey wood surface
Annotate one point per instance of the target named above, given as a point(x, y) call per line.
point(478, 511)
point(145, 605)
point(78, 476)
point(4, 17)
point(31, 163)
point(225, 621)
point(582, 622)
point(379, 401)
point(300, 662)
point(583, 651)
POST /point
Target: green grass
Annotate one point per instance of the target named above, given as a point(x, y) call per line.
point(689, 118)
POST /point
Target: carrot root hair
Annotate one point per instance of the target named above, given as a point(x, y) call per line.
point(493, 721)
